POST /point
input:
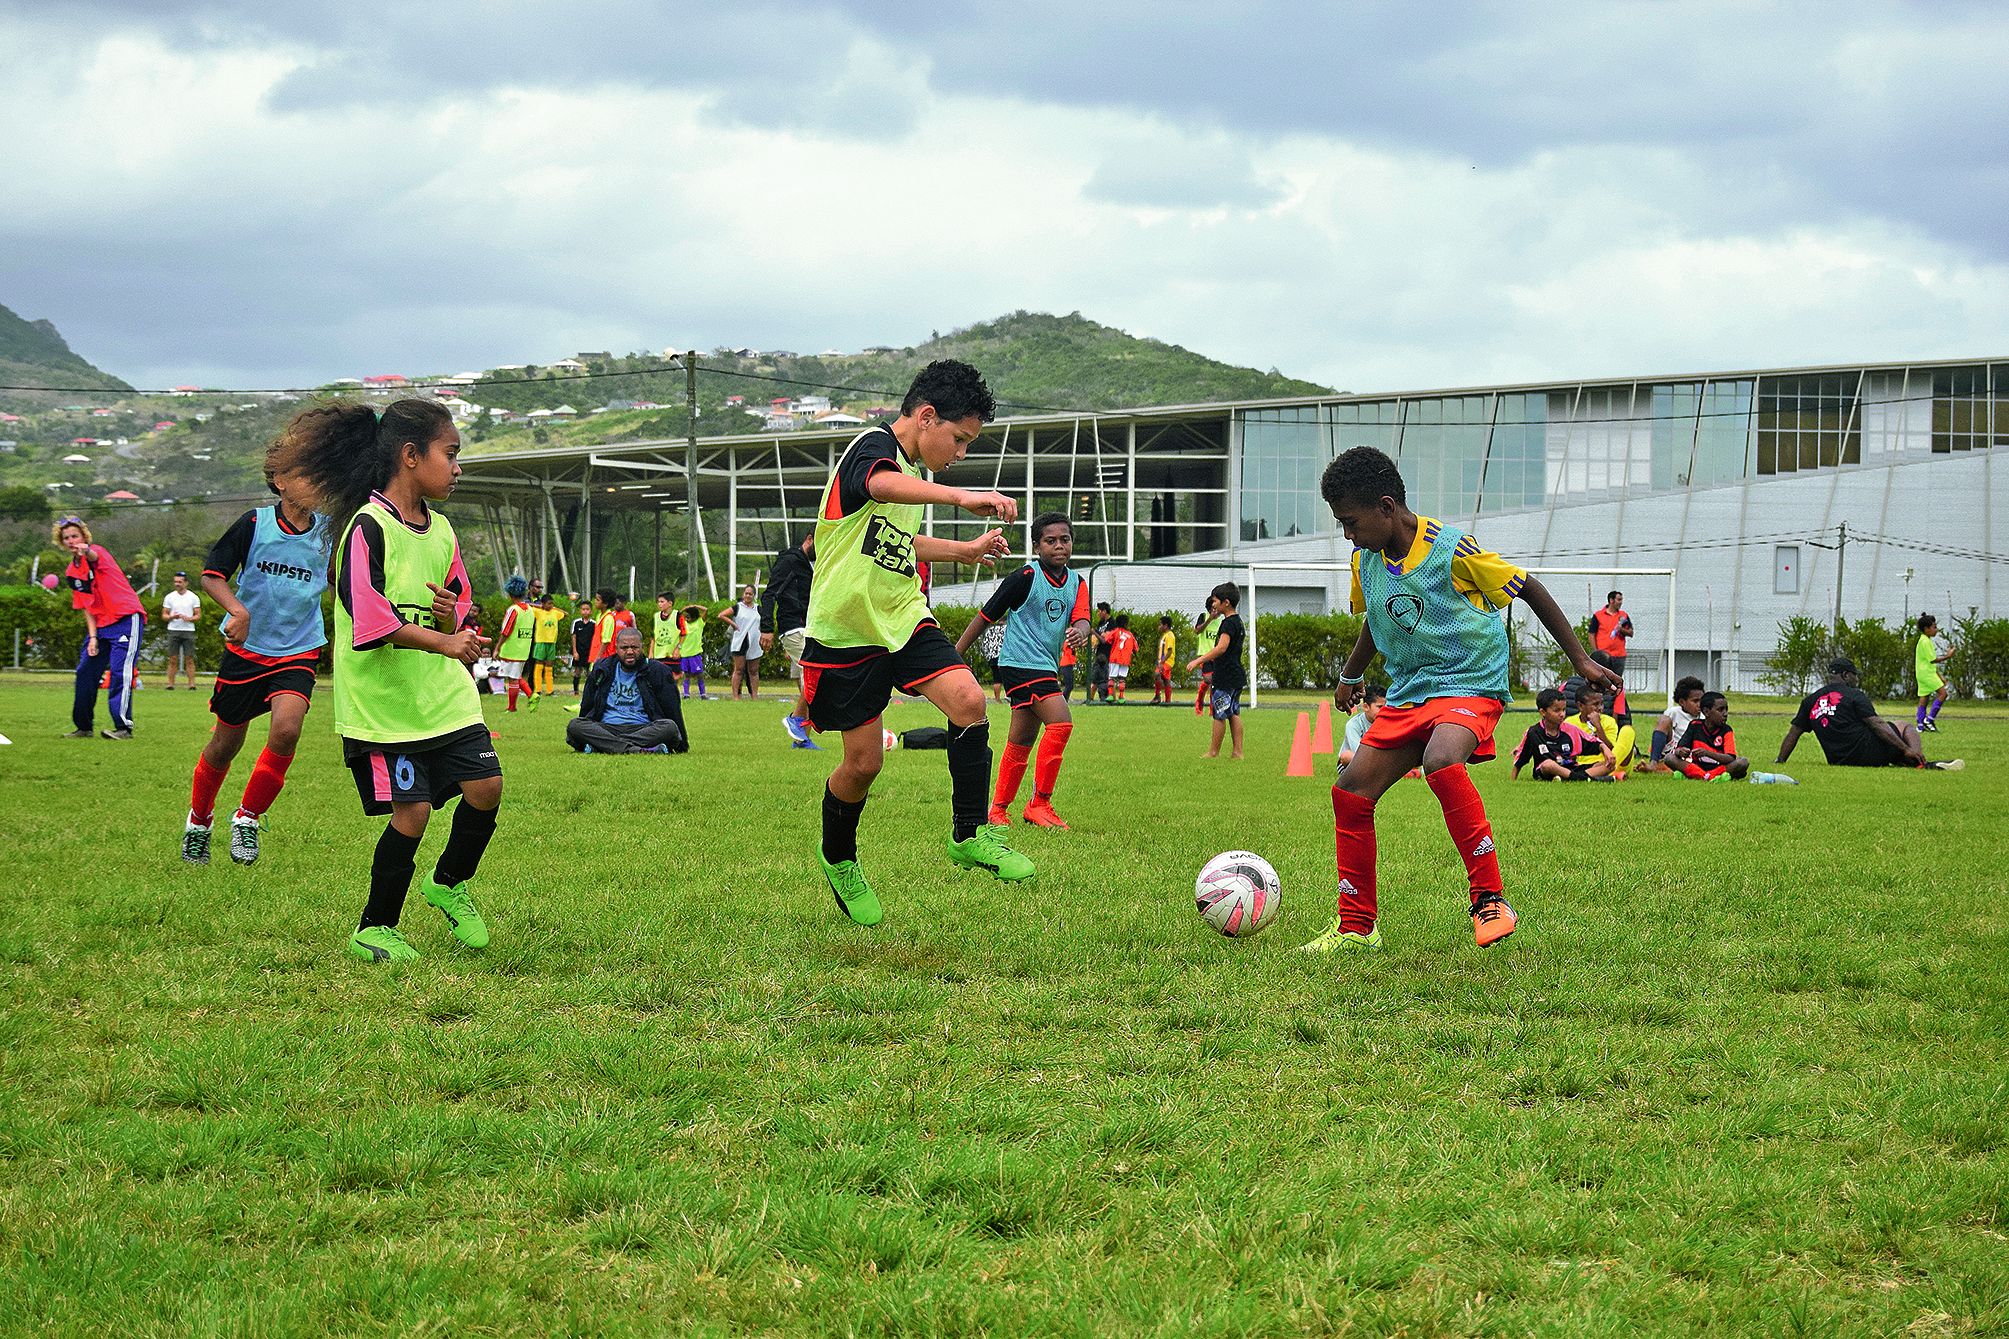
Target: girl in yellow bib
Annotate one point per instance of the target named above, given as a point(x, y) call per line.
point(411, 725)
point(1927, 659)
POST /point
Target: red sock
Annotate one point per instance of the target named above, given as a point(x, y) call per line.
point(267, 776)
point(1046, 771)
point(202, 796)
point(1353, 844)
point(514, 684)
point(1011, 771)
point(1465, 816)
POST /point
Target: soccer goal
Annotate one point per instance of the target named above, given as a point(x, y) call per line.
point(1317, 586)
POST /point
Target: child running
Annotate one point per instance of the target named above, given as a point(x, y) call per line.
point(1431, 597)
point(411, 724)
point(1926, 660)
point(272, 641)
point(870, 631)
point(514, 639)
point(1042, 605)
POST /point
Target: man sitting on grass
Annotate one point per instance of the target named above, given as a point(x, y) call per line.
point(630, 705)
point(1844, 719)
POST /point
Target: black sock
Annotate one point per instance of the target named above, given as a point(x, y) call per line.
point(969, 777)
point(390, 878)
point(472, 828)
point(840, 827)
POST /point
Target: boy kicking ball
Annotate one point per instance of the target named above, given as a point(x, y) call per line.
point(870, 631)
point(1431, 597)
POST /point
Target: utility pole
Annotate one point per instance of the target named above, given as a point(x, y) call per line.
point(691, 471)
point(1841, 555)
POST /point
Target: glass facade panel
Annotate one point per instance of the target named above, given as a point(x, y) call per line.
point(1805, 423)
point(1481, 453)
point(1283, 453)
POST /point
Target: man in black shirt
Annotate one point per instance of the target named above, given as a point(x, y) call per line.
point(1844, 719)
point(1225, 660)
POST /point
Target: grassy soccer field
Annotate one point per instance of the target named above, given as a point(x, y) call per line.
point(1743, 1067)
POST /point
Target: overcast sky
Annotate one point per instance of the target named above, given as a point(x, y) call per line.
point(1376, 197)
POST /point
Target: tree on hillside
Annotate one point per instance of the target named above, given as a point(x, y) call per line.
point(23, 502)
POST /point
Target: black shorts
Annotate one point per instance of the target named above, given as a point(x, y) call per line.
point(1876, 751)
point(849, 686)
point(428, 772)
point(1023, 687)
point(245, 688)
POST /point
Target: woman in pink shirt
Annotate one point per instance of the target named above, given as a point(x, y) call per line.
point(113, 621)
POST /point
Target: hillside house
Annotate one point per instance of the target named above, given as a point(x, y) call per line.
point(568, 365)
point(122, 496)
point(838, 420)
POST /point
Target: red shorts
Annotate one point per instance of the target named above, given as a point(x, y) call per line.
point(1397, 726)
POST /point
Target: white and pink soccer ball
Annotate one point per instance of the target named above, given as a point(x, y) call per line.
point(1238, 893)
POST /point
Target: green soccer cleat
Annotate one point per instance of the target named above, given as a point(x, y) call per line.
point(462, 917)
point(988, 850)
point(855, 897)
point(1336, 940)
point(381, 943)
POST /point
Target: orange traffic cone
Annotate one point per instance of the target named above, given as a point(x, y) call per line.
point(1321, 730)
point(1300, 764)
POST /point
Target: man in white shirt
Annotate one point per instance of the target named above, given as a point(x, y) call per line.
point(181, 607)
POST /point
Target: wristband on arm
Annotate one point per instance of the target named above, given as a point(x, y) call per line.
point(1355, 681)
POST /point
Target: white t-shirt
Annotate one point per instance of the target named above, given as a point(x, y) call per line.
point(746, 631)
point(1678, 722)
point(1356, 730)
point(182, 607)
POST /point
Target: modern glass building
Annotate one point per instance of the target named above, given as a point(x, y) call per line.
point(1741, 481)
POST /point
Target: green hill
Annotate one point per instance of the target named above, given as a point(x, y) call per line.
point(1033, 361)
point(34, 353)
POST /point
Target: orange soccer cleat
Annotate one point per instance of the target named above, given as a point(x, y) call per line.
point(1040, 814)
point(1492, 919)
point(1000, 817)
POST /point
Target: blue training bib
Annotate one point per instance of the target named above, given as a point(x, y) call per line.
point(1034, 630)
point(1434, 641)
point(281, 585)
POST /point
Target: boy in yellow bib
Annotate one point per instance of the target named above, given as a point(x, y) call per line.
point(870, 631)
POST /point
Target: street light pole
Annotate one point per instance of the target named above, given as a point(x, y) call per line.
point(691, 471)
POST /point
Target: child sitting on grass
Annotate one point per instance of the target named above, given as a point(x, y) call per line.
point(1556, 749)
point(1712, 744)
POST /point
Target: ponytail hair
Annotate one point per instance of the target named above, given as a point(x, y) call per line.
point(342, 452)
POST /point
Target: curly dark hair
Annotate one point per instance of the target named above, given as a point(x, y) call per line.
point(955, 389)
point(1045, 519)
point(342, 451)
point(1363, 474)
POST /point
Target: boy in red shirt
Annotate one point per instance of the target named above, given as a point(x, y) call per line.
point(113, 621)
point(1712, 744)
point(1122, 646)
